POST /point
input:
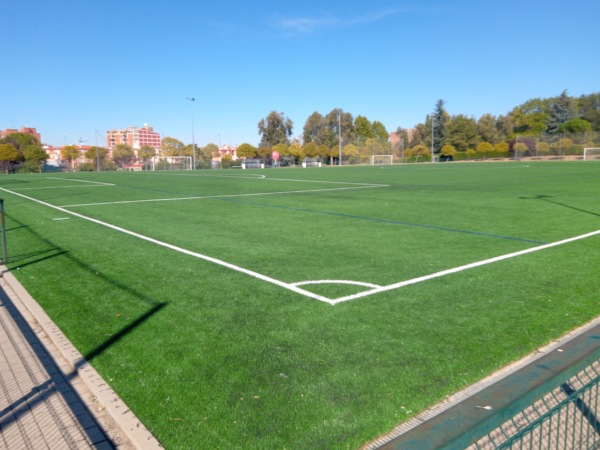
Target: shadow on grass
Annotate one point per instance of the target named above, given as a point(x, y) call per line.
point(547, 198)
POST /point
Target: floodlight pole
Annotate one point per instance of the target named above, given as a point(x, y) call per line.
point(3, 224)
point(432, 138)
point(192, 99)
point(340, 136)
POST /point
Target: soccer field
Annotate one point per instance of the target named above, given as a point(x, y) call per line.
point(306, 308)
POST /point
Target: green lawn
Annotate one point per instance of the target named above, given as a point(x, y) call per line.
point(223, 353)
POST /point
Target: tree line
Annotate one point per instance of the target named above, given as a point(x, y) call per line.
point(561, 125)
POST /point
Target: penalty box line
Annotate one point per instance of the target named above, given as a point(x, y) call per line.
point(251, 273)
point(462, 268)
point(256, 194)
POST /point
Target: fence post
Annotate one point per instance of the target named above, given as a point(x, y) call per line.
point(4, 249)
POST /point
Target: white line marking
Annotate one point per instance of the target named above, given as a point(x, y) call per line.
point(80, 181)
point(181, 250)
point(308, 191)
point(61, 187)
point(462, 268)
point(294, 286)
point(356, 283)
point(61, 218)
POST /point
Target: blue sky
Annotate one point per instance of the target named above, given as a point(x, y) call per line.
point(71, 68)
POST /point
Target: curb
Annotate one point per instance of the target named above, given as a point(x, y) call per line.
point(104, 398)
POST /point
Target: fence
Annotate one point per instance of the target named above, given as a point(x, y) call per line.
point(550, 403)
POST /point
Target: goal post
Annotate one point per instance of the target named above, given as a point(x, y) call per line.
point(588, 152)
point(382, 159)
point(171, 163)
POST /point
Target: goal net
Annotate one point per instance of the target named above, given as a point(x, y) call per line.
point(171, 163)
point(381, 159)
point(591, 153)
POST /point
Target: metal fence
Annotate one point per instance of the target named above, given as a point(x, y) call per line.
point(550, 402)
point(566, 418)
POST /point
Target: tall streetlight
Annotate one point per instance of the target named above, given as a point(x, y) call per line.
point(192, 99)
point(340, 135)
point(432, 137)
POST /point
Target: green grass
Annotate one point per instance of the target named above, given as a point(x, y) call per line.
point(213, 358)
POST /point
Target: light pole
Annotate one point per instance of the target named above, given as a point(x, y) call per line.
point(192, 99)
point(432, 138)
point(340, 135)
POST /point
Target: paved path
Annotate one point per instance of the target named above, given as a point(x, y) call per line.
point(50, 398)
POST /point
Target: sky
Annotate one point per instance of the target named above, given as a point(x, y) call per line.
point(75, 69)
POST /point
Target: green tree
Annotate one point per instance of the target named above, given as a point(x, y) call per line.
point(313, 128)
point(172, 147)
point(440, 118)
point(97, 154)
point(146, 152)
point(576, 125)
point(462, 132)
point(589, 107)
point(379, 131)
point(486, 127)
point(207, 153)
point(363, 128)
point(562, 109)
point(70, 153)
point(8, 156)
point(36, 156)
point(122, 154)
point(275, 129)
point(246, 151)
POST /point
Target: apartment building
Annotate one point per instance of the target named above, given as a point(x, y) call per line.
point(32, 131)
point(135, 137)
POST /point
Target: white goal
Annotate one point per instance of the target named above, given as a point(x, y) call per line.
point(382, 159)
point(171, 163)
point(591, 152)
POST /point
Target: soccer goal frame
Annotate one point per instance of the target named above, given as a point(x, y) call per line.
point(160, 163)
point(590, 151)
point(382, 159)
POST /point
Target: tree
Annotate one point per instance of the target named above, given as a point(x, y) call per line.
point(470, 152)
point(70, 153)
point(363, 128)
point(313, 128)
point(310, 150)
point(36, 156)
point(486, 127)
point(420, 150)
point(275, 129)
point(448, 150)
point(531, 117)
point(484, 147)
point(351, 153)
point(462, 133)
point(122, 154)
point(575, 126)
point(295, 150)
point(8, 156)
point(543, 148)
point(97, 154)
point(146, 152)
point(379, 131)
point(589, 108)
point(172, 147)
point(246, 151)
point(562, 109)
point(440, 118)
point(208, 152)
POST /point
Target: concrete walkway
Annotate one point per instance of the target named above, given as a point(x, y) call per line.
point(50, 397)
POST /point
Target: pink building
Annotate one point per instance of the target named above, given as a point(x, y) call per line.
point(135, 137)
